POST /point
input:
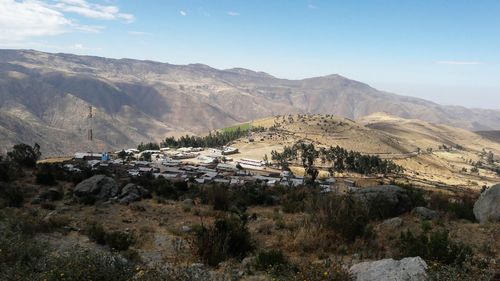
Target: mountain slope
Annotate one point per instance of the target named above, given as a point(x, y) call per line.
point(414, 144)
point(42, 93)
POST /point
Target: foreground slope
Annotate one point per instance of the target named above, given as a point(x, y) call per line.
point(44, 97)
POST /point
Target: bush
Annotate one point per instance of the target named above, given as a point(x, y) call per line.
point(30, 224)
point(460, 208)
point(272, 260)
point(119, 241)
point(96, 233)
point(342, 214)
point(9, 171)
point(116, 240)
point(226, 238)
point(435, 246)
point(45, 177)
point(11, 195)
point(219, 197)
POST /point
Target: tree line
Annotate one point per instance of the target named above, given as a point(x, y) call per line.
point(340, 159)
point(217, 139)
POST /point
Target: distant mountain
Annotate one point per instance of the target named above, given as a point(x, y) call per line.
point(45, 97)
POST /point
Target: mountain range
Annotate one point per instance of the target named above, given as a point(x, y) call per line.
point(45, 98)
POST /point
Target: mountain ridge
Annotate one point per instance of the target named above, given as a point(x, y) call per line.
point(142, 100)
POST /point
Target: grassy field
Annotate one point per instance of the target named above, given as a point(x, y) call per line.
point(243, 127)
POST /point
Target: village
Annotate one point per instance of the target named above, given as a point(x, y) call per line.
point(199, 165)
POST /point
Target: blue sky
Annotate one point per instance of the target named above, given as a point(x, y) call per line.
point(445, 51)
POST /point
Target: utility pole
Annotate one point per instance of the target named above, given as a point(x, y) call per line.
point(89, 131)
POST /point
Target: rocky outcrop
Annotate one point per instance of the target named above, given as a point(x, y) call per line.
point(487, 207)
point(132, 193)
point(425, 213)
point(389, 200)
point(98, 188)
point(407, 269)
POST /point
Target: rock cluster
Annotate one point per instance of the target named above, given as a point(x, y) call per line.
point(99, 188)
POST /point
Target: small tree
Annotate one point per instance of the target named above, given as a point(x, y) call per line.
point(122, 154)
point(490, 157)
point(25, 155)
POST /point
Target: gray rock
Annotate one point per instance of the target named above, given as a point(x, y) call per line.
point(186, 228)
point(425, 213)
point(52, 194)
point(132, 193)
point(407, 269)
point(393, 222)
point(188, 202)
point(392, 198)
point(98, 187)
point(487, 207)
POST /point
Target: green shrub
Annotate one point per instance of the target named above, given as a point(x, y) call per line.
point(219, 197)
point(119, 240)
point(164, 189)
point(435, 246)
point(116, 240)
point(32, 223)
point(16, 248)
point(45, 177)
point(460, 208)
point(272, 260)
point(226, 238)
point(9, 171)
point(12, 195)
point(96, 233)
point(342, 214)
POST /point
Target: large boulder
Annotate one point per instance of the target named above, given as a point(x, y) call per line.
point(99, 187)
point(132, 192)
point(387, 200)
point(407, 269)
point(487, 207)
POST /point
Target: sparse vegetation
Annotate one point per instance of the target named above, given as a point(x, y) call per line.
point(226, 238)
point(434, 246)
point(116, 240)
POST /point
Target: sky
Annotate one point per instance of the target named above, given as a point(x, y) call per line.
point(442, 50)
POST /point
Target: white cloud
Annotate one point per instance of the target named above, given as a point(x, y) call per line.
point(20, 20)
point(23, 19)
point(80, 47)
point(88, 28)
point(312, 7)
point(139, 33)
point(183, 13)
point(451, 62)
point(233, 14)
point(91, 10)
